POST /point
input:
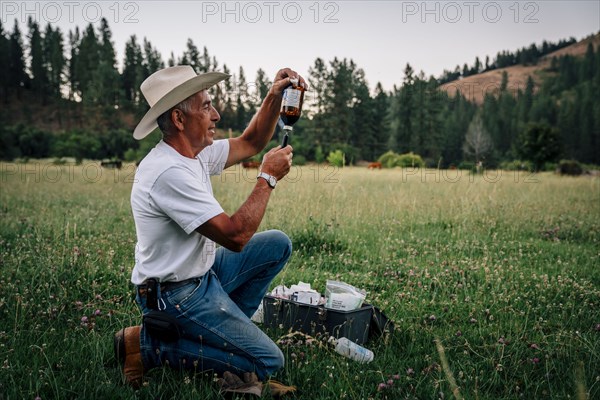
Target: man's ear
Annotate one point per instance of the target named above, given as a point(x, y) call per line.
point(178, 118)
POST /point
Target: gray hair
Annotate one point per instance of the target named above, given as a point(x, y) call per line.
point(165, 124)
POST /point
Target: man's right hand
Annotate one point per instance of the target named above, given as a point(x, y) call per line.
point(277, 161)
point(234, 232)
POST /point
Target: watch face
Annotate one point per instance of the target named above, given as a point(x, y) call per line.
point(271, 180)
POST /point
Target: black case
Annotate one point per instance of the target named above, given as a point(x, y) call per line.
point(314, 320)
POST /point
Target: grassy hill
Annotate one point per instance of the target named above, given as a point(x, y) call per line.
point(475, 87)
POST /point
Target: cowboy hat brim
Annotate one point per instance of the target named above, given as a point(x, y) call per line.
point(175, 96)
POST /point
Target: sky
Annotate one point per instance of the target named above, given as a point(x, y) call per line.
point(380, 36)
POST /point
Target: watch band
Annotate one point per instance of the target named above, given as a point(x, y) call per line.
point(271, 180)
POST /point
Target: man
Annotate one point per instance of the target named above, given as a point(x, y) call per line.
point(211, 292)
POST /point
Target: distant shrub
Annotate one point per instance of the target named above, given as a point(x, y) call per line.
point(550, 167)
point(299, 160)
point(319, 156)
point(32, 142)
point(570, 167)
point(351, 153)
point(388, 159)
point(131, 155)
point(516, 165)
point(336, 158)
point(410, 160)
point(432, 163)
point(9, 143)
point(467, 165)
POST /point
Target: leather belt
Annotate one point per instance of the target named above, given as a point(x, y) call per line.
point(168, 286)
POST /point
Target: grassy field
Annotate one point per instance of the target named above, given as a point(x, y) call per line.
point(493, 281)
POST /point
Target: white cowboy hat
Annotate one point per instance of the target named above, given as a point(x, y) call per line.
point(168, 87)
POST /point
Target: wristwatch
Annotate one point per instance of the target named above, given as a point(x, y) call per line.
point(271, 180)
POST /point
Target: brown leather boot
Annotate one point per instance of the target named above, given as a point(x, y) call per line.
point(127, 352)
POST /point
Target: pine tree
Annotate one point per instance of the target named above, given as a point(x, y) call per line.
point(420, 115)
point(539, 143)
point(17, 77)
point(227, 111)
point(191, 56)
point(205, 61)
point(4, 64)
point(133, 73)
point(87, 61)
point(339, 101)
point(381, 123)
point(363, 120)
point(242, 106)
point(72, 63)
point(316, 99)
point(504, 82)
point(458, 114)
point(402, 113)
point(106, 76)
point(568, 125)
point(526, 100)
point(317, 80)
point(586, 118)
point(153, 59)
point(263, 84)
point(466, 71)
point(587, 65)
point(54, 60)
point(476, 67)
point(39, 77)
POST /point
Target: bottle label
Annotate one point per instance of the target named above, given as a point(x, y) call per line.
point(291, 98)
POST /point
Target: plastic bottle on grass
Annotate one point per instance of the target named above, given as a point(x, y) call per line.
point(353, 351)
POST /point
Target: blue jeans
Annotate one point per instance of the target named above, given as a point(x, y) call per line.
point(215, 309)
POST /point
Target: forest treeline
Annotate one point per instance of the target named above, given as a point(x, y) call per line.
point(78, 70)
point(529, 55)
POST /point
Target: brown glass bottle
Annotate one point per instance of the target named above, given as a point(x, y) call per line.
point(291, 107)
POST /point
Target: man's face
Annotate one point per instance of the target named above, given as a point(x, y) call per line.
point(200, 123)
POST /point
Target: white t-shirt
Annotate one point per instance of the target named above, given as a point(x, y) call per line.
point(170, 198)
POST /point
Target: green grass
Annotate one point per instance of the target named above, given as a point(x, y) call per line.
point(502, 272)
